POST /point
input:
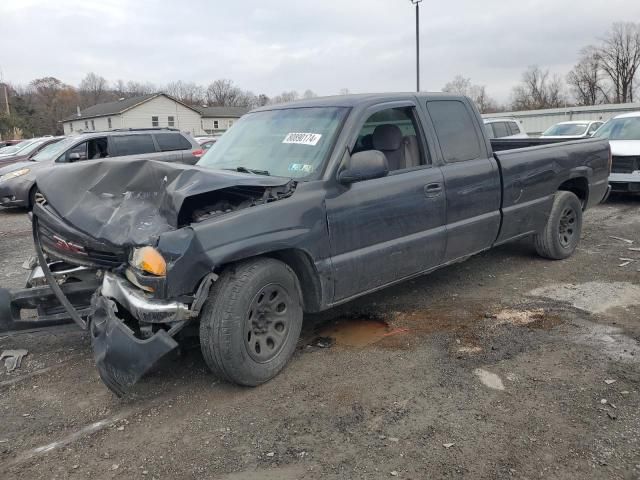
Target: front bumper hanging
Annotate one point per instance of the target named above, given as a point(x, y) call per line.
point(122, 358)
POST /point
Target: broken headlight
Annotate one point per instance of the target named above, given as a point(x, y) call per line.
point(14, 174)
point(149, 260)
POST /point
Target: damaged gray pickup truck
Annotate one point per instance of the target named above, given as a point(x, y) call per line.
point(297, 208)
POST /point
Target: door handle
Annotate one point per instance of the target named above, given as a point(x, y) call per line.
point(432, 190)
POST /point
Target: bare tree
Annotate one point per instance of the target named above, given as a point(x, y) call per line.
point(93, 89)
point(136, 89)
point(286, 97)
point(223, 93)
point(187, 92)
point(478, 93)
point(538, 90)
point(309, 94)
point(620, 59)
point(459, 85)
point(53, 101)
point(262, 100)
point(586, 82)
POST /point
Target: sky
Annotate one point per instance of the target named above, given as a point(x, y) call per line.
point(281, 45)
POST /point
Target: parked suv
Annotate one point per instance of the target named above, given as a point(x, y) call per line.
point(18, 180)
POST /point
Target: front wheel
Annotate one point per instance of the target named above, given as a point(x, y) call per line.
point(251, 322)
point(561, 234)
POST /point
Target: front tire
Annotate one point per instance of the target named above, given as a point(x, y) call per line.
point(251, 322)
point(561, 234)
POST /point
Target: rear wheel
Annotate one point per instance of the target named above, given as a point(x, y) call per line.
point(561, 234)
point(250, 325)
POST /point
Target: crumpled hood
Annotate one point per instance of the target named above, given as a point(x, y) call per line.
point(625, 148)
point(130, 202)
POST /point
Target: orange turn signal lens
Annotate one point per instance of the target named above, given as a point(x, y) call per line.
point(149, 260)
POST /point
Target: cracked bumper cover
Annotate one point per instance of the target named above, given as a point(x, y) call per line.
point(121, 357)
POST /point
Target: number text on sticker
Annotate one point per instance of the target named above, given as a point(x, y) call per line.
point(302, 138)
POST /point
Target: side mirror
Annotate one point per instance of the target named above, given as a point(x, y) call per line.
point(74, 156)
point(364, 166)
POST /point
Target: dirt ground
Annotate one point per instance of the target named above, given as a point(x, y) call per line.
point(504, 366)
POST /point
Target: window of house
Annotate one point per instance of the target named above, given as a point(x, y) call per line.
point(170, 121)
point(93, 125)
point(133, 144)
point(172, 141)
point(109, 122)
point(455, 129)
point(215, 124)
point(86, 125)
point(155, 122)
point(71, 127)
point(393, 131)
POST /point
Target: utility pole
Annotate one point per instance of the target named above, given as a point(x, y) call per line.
point(417, 4)
point(6, 99)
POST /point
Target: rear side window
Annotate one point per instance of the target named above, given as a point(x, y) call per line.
point(515, 129)
point(489, 129)
point(501, 129)
point(133, 144)
point(455, 130)
point(172, 141)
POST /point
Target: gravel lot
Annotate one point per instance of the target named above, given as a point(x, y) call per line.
point(504, 366)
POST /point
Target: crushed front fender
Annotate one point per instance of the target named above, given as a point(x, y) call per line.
point(121, 358)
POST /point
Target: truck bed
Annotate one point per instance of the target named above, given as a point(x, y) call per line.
point(533, 169)
point(500, 144)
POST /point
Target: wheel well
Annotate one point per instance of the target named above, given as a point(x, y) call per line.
point(302, 264)
point(30, 196)
point(579, 186)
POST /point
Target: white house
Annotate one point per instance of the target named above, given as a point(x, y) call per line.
point(219, 119)
point(154, 110)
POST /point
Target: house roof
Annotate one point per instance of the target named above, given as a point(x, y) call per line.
point(118, 107)
point(222, 112)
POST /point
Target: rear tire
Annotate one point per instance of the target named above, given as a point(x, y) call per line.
point(251, 322)
point(561, 234)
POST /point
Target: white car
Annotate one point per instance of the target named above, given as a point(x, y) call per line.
point(504, 128)
point(576, 129)
point(623, 133)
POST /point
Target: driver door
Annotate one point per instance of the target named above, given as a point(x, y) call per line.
point(385, 229)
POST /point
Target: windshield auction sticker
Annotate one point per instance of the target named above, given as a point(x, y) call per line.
point(303, 138)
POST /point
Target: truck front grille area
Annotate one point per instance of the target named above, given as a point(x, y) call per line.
point(625, 164)
point(72, 250)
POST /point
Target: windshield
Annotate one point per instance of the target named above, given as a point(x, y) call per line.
point(566, 129)
point(620, 129)
point(15, 149)
point(292, 142)
point(53, 151)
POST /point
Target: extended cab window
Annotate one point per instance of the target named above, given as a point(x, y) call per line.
point(515, 129)
point(133, 144)
point(172, 141)
point(501, 129)
point(393, 132)
point(455, 129)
